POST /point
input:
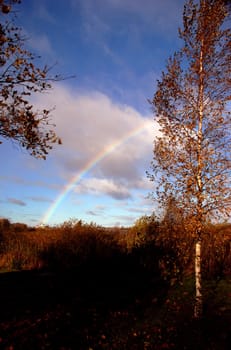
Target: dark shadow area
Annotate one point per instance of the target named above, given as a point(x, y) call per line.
point(62, 307)
point(88, 288)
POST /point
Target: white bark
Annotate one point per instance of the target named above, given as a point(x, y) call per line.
point(198, 302)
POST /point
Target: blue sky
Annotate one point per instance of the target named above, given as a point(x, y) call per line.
point(116, 49)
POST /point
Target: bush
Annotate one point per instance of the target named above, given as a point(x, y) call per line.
point(79, 245)
point(216, 257)
point(18, 252)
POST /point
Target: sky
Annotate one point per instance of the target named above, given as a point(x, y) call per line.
point(114, 50)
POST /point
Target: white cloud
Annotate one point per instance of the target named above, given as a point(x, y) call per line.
point(123, 220)
point(112, 142)
point(101, 187)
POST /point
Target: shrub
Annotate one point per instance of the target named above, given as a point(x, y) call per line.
point(216, 247)
point(78, 245)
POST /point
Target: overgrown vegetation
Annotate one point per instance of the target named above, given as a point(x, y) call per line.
point(87, 286)
point(76, 244)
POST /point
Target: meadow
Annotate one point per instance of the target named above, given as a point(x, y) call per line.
point(86, 287)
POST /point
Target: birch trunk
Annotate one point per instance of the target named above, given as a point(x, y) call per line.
point(198, 301)
point(199, 195)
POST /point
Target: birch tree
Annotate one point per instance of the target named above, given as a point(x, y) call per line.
point(191, 161)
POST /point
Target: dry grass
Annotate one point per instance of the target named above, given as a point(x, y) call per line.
point(75, 243)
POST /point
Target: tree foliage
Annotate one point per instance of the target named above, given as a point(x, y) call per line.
point(143, 231)
point(20, 78)
point(192, 157)
point(192, 160)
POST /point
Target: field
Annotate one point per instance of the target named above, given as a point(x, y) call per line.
point(83, 287)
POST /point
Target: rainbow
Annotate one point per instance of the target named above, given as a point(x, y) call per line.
point(89, 165)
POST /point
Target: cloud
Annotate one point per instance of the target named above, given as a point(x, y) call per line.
point(101, 16)
point(90, 123)
point(98, 210)
point(103, 187)
point(93, 26)
point(31, 183)
point(40, 199)
point(41, 44)
point(16, 201)
point(92, 213)
point(43, 13)
point(124, 29)
point(123, 220)
point(163, 14)
point(110, 142)
point(100, 207)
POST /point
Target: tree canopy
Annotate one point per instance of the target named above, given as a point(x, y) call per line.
point(20, 78)
point(192, 157)
point(192, 160)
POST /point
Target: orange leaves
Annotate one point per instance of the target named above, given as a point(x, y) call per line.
point(192, 158)
point(18, 62)
point(5, 8)
point(19, 78)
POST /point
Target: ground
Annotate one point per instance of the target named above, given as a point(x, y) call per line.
point(80, 311)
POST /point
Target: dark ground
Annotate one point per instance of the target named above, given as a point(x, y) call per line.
point(89, 311)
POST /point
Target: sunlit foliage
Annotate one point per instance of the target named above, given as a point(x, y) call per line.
point(192, 156)
point(20, 78)
point(192, 160)
point(75, 244)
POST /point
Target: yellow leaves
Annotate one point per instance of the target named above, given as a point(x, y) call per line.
point(18, 62)
point(43, 74)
